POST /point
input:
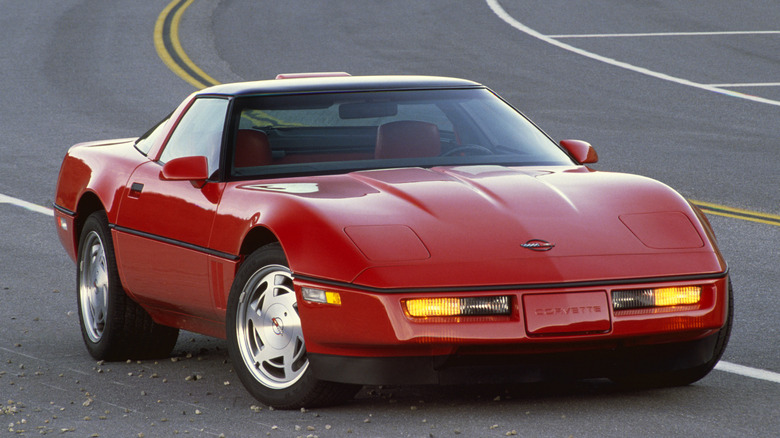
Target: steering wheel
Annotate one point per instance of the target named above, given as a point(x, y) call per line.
point(468, 149)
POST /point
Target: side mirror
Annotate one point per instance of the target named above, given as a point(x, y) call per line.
point(195, 169)
point(581, 151)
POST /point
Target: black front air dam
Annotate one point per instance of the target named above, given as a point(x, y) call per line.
point(514, 368)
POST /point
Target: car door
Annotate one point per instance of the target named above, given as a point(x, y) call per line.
point(163, 226)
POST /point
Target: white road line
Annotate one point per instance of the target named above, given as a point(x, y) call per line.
point(755, 84)
point(666, 34)
point(742, 370)
point(4, 199)
point(19, 353)
point(722, 366)
point(502, 14)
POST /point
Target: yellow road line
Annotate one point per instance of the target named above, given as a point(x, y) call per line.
point(180, 51)
point(166, 33)
point(738, 213)
point(169, 49)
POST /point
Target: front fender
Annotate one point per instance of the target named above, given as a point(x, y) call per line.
point(314, 245)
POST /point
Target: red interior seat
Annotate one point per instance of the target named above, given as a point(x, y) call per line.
point(252, 149)
point(407, 139)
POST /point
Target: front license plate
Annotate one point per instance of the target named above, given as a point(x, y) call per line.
point(566, 313)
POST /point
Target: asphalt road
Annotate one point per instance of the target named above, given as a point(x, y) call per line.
point(84, 70)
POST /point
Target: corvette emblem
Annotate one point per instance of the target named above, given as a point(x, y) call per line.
point(538, 245)
point(278, 327)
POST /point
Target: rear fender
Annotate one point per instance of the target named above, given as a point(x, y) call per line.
point(92, 177)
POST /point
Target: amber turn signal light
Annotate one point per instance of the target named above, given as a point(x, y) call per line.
point(454, 306)
point(321, 296)
point(657, 297)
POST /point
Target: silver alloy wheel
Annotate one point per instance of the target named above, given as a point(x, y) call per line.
point(268, 328)
point(93, 286)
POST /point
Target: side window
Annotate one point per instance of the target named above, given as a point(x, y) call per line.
point(146, 141)
point(199, 132)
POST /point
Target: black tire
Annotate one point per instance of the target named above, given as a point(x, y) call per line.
point(265, 340)
point(684, 376)
point(113, 326)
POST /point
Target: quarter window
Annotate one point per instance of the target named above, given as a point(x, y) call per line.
point(145, 142)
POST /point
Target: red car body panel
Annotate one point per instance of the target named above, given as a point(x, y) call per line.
point(375, 324)
point(80, 180)
point(379, 237)
point(470, 237)
point(469, 232)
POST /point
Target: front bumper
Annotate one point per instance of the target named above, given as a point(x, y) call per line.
point(368, 338)
point(513, 368)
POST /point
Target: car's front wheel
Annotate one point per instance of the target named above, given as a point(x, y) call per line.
point(113, 326)
point(265, 338)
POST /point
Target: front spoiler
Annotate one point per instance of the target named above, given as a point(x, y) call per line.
point(513, 368)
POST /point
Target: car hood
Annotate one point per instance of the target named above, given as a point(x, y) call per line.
point(493, 225)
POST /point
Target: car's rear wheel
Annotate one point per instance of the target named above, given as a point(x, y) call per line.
point(265, 339)
point(113, 326)
point(686, 375)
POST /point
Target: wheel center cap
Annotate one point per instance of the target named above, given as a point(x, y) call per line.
point(278, 326)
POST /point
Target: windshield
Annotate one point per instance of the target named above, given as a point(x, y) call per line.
point(336, 132)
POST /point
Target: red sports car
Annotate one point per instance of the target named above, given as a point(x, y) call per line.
point(341, 231)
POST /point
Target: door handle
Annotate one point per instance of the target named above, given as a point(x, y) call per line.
point(135, 190)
